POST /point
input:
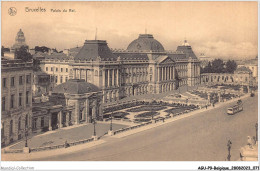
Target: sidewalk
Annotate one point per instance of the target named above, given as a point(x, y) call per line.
point(38, 155)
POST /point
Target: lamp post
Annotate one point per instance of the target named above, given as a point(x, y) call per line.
point(256, 131)
point(111, 126)
point(229, 148)
point(26, 136)
point(94, 124)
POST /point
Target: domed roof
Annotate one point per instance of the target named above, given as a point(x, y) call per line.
point(76, 86)
point(145, 42)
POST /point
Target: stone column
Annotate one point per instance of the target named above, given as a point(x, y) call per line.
point(113, 77)
point(164, 70)
point(60, 119)
point(158, 74)
point(117, 76)
point(104, 78)
point(79, 73)
point(86, 75)
point(74, 74)
point(67, 118)
point(87, 111)
point(76, 113)
point(108, 77)
point(94, 109)
point(50, 121)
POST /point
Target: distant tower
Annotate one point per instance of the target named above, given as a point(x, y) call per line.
point(19, 41)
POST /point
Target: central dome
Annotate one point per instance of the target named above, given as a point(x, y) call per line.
point(145, 42)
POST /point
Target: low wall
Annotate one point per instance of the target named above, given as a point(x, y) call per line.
point(65, 145)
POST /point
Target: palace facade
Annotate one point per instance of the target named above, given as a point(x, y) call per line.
point(144, 67)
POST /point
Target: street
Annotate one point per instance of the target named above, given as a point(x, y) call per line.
point(201, 137)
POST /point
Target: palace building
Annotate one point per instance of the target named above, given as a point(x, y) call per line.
point(144, 67)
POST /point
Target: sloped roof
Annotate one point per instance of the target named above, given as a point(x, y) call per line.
point(243, 69)
point(60, 56)
point(74, 51)
point(132, 56)
point(187, 50)
point(76, 86)
point(93, 49)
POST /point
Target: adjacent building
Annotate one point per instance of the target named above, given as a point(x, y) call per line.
point(70, 103)
point(16, 99)
point(242, 76)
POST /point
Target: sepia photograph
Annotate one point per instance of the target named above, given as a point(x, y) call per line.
point(120, 81)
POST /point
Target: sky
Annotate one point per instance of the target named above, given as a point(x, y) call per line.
point(217, 29)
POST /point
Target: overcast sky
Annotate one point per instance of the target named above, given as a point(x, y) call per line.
point(218, 29)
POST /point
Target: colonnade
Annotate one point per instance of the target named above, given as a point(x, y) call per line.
point(78, 73)
point(110, 77)
point(165, 73)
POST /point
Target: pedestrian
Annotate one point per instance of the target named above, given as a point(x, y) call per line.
point(206, 106)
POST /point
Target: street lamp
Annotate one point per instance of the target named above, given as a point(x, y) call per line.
point(94, 123)
point(111, 127)
point(256, 130)
point(229, 148)
point(26, 136)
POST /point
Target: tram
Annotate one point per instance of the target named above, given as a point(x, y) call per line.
point(235, 109)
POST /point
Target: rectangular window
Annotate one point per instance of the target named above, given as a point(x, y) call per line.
point(4, 82)
point(20, 99)
point(66, 79)
point(56, 69)
point(12, 101)
point(46, 68)
point(12, 81)
point(42, 121)
point(66, 69)
point(51, 69)
point(61, 70)
point(3, 103)
point(20, 80)
point(61, 79)
point(28, 79)
point(27, 97)
point(56, 79)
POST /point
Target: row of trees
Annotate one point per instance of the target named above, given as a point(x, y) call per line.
point(218, 66)
point(23, 54)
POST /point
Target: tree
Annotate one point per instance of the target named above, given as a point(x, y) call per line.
point(3, 50)
point(207, 69)
point(41, 49)
point(218, 66)
point(231, 66)
point(23, 54)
